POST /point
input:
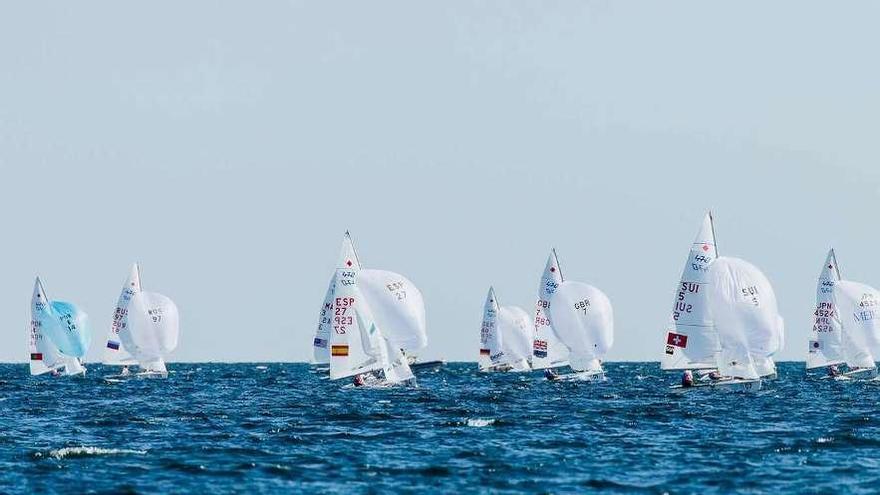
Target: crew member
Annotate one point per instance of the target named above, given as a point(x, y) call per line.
point(687, 379)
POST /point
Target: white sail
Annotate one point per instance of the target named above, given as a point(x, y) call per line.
point(153, 328)
point(44, 356)
point(355, 342)
point(859, 308)
point(746, 317)
point(397, 306)
point(691, 341)
point(395, 365)
point(490, 336)
point(73, 366)
point(321, 343)
point(826, 340)
point(115, 353)
point(583, 319)
point(548, 350)
point(517, 337)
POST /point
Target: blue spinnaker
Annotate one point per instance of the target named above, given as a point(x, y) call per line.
point(67, 327)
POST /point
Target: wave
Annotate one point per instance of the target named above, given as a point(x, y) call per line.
point(84, 451)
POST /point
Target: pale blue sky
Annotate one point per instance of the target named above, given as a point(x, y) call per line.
point(228, 145)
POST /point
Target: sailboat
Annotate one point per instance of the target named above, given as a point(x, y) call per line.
point(574, 326)
point(859, 308)
point(505, 337)
point(59, 335)
point(843, 325)
point(145, 329)
point(825, 345)
point(376, 316)
point(725, 320)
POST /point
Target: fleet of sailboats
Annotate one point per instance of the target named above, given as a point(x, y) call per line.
point(723, 332)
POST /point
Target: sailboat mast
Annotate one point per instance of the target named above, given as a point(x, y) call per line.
point(43, 291)
point(556, 258)
point(353, 248)
point(836, 265)
point(714, 239)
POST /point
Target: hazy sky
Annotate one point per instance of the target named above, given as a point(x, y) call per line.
point(228, 145)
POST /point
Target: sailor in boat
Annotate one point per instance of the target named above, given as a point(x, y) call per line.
point(55, 372)
point(359, 380)
point(687, 379)
point(551, 374)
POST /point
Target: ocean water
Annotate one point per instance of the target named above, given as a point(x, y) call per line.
point(264, 428)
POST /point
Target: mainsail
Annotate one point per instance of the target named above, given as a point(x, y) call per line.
point(548, 350)
point(583, 319)
point(44, 356)
point(320, 345)
point(826, 345)
point(746, 317)
point(859, 308)
point(691, 341)
point(115, 353)
point(59, 334)
point(490, 336)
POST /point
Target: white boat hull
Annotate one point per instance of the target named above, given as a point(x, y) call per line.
point(148, 375)
point(581, 376)
point(861, 374)
point(727, 385)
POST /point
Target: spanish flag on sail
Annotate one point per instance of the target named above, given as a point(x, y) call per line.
point(339, 350)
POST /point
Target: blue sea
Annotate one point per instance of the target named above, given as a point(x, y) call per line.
point(274, 428)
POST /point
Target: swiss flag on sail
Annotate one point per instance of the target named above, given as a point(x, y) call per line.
point(676, 339)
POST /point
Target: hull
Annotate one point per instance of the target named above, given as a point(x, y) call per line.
point(376, 380)
point(579, 376)
point(504, 368)
point(727, 385)
point(862, 374)
point(427, 366)
point(143, 375)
